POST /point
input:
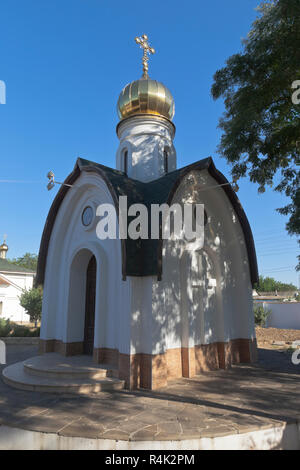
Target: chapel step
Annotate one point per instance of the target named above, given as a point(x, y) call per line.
point(61, 375)
point(55, 365)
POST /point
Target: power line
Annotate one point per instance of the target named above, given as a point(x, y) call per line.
point(20, 181)
point(276, 246)
point(273, 238)
point(270, 227)
point(276, 272)
point(273, 249)
point(277, 253)
point(280, 267)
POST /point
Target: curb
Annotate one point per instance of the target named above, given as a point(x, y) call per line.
point(283, 437)
point(33, 341)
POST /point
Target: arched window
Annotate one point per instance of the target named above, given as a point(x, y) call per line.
point(125, 161)
point(166, 161)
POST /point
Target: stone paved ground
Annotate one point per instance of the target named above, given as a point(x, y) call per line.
point(214, 404)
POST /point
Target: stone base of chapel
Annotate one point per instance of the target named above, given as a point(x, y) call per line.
point(154, 371)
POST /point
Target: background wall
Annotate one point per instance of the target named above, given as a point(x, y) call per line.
point(284, 315)
point(9, 297)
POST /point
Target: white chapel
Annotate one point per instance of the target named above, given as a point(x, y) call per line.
point(154, 310)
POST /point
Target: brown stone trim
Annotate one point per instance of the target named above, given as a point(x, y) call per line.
point(248, 350)
point(124, 369)
point(73, 349)
point(145, 371)
point(46, 346)
point(152, 371)
point(207, 357)
point(253, 350)
point(59, 347)
point(222, 356)
point(240, 350)
point(174, 363)
point(106, 356)
point(159, 371)
point(65, 349)
point(136, 370)
point(188, 360)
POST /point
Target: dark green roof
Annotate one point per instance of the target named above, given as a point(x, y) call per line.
point(143, 257)
point(7, 266)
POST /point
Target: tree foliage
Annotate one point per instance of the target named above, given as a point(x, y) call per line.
point(29, 261)
point(269, 284)
point(31, 301)
point(261, 125)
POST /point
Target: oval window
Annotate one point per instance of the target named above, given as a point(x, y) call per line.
point(87, 216)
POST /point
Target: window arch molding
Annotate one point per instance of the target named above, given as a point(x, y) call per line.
point(125, 146)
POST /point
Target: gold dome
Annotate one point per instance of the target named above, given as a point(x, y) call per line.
point(146, 96)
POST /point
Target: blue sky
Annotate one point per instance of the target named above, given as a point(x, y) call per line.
point(65, 62)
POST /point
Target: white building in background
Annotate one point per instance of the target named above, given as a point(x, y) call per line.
point(13, 280)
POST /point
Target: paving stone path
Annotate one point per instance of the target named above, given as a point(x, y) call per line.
point(213, 404)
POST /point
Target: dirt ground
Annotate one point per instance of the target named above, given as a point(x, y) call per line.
point(271, 338)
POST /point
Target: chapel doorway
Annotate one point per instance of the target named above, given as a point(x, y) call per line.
point(89, 326)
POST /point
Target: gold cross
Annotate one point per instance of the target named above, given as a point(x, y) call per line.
point(143, 42)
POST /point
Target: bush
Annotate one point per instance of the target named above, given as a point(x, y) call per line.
point(24, 331)
point(260, 315)
point(8, 328)
point(5, 327)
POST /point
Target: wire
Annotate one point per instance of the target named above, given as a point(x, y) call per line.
point(276, 247)
point(273, 238)
point(276, 271)
point(20, 181)
point(280, 267)
point(278, 253)
point(57, 182)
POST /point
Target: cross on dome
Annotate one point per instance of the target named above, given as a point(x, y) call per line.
point(143, 43)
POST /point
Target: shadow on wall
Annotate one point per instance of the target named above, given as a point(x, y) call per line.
point(205, 295)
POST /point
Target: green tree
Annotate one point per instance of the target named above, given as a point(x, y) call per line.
point(29, 261)
point(31, 301)
point(261, 315)
point(269, 284)
point(261, 125)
